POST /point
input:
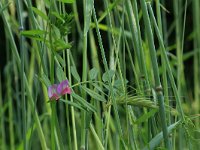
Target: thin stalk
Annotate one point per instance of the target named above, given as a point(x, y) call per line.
point(53, 111)
point(164, 69)
point(96, 137)
point(72, 108)
point(169, 71)
point(34, 25)
point(111, 39)
point(144, 74)
point(95, 64)
point(84, 78)
point(177, 15)
point(10, 108)
point(133, 28)
point(69, 142)
point(94, 53)
point(107, 124)
point(196, 58)
point(2, 127)
point(115, 50)
point(18, 62)
point(164, 74)
point(112, 63)
point(76, 17)
point(158, 85)
point(84, 138)
point(164, 20)
point(53, 104)
point(22, 49)
point(106, 69)
point(68, 127)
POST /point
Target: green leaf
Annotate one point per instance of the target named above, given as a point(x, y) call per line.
point(4, 7)
point(3, 109)
point(93, 73)
point(60, 74)
point(83, 102)
point(58, 16)
point(33, 32)
point(56, 31)
point(60, 60)
point(29, 132)
point(108, 75)
point(47, 3)
point(109, 9)
point(146, 116)
point(159, 137)
point(118, 83)
point(44, 79)
point(75, 73)
point(60, 44)
point(89, 4)
point(41, 39)
point(66, 1)
point(40, 13)
point(93, 94)
point(71, 103)
point(97, 87)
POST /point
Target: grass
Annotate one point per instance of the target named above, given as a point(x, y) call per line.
point(128, 64)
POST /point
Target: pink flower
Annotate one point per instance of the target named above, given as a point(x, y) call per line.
point(55, 91)
point(52, 92)
point(63, 88)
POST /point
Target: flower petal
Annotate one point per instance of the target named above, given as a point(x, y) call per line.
point(63, 88)
point(54, 97)
point(52, 92)
point(66, 90)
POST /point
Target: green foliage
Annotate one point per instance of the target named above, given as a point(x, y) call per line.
point(108, 75)
point(93, 74)
point(133, 71)
point(66, 1)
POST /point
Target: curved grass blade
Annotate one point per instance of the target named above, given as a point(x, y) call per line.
point(159, 137)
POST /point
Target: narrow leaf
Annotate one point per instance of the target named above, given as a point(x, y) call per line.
point(146, 116)
point(33, 32)
point(66, 1)
point(83, 102)
point(108, 74)
point(71, 103)
point(44, 79)
point(89, 4)
point(159, 137)
point(60, 74)
point(93, 94)
point(75, 74)
point(40, 13)
point(57, 15)
point(60, 44)
point(4, 7)
point(60, 60)
point(93, 73)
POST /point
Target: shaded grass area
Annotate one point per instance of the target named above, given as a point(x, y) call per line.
point(132, 66)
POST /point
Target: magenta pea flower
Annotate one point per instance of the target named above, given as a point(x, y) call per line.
point(52, 92)
point(63, 88)
point(55, 91)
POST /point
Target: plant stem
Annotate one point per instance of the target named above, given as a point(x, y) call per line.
point(18, 62)
point(106, 69)
point(156, 73)
point(72, 108)
point(22, 41)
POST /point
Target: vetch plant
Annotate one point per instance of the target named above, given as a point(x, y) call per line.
point(55, 91)
point(116, 57)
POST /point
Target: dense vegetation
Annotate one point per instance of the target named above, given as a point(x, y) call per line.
point(132, 67)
